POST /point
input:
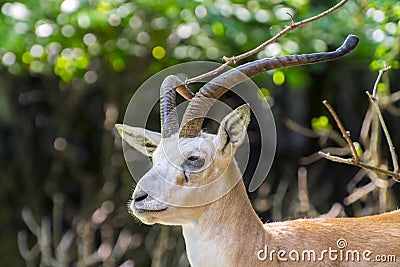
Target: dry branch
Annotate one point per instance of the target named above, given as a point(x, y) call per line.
point(355, 160)
point(374, 102)
point(50, 251)
point(235, 59)
point(345, 134)
point(333, 135)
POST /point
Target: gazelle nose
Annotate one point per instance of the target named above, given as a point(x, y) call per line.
point(139, 197)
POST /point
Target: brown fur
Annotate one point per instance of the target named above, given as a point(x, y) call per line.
point(227, 231)
point(232, 223)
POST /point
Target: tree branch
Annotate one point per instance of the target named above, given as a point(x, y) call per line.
point(374, 102)
point(235, 59)
point(345, 134)
point(381, 72)
point(355, 160)
point(360, 164)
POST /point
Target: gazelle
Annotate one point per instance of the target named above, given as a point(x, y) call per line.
point(225, 231)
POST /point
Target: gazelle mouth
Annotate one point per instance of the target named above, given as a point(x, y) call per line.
point(143, 210)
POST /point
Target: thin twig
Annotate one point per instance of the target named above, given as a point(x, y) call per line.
point(381, 72)
point(339, 151)
point(355, 160)
point(359, 193)
point(160, 249)
point(336, 210)
point(360, 164)
point(366, 127)
point(29, 255)
point(235, 59)
point(333, 135)
point(277, 200)
point(385, 130)
point(374, 149)
point(375, 103)
point(345, 134)
point(395, 97)
point(305, 207)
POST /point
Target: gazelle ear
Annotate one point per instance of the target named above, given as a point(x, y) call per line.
point(143, 140)
point(233, 128)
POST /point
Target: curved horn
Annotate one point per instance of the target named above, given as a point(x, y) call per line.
point(207, 95)
point(168, 114)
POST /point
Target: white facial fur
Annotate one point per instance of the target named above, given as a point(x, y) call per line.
point(187, 173)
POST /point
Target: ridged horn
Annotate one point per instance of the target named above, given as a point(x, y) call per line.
point(201, 103)
point(169, 116)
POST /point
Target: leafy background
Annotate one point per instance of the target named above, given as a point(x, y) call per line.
point(68, 70)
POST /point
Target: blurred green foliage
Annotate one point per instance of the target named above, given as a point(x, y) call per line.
point(68, 69)
point(321, 123)
point(63, 37)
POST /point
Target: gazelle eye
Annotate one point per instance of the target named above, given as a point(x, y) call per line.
point(193, 158)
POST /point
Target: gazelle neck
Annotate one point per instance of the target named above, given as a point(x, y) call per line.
point(218, 238)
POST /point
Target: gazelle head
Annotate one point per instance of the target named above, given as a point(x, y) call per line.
point(188, 173)
point(189, 167)
point(192, 170)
